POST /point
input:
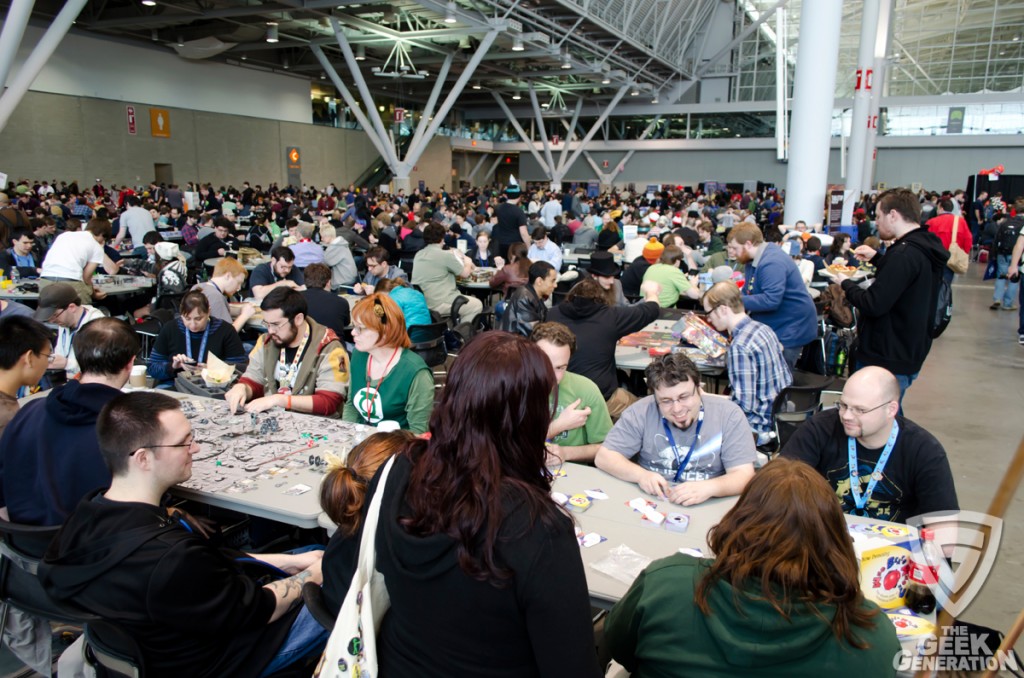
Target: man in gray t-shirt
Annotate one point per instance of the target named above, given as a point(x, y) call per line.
point(722, 459)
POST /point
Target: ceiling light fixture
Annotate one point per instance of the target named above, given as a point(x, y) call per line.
point(449, 14)
point(360, 52)
point(181, 41)
point(476, 85)
point(517, 45)
point(635, 92)
point(566, 60)
point(516, 96)
point(272, 33)
point(149, 3)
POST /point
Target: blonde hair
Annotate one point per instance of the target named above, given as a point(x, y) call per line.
point(726, 294)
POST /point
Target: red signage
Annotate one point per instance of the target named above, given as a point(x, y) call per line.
point(554, 140)
point(864, 78)
point(399, 115)
point(131, 119)
point(604, 164)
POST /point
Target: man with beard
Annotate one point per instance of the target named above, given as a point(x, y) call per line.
point(689, 447)
point(298, 364)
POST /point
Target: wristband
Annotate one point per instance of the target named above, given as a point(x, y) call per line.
point(288, 403)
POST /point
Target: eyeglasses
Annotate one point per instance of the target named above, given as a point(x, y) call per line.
point(274, 325)
point(858, 411)
point(358, 329)
point(682, 400)
point(49, 356)
point(189, 442)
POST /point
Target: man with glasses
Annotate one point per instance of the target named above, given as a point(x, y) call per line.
point(688, 446)
point(25, 353)
point(297, 365)
point(377, 269)
point(49, 455)
point(757, 369)
point(279, 272)
point(218, 243)
point(187, 603)
point(60, 305)
point(880, 464)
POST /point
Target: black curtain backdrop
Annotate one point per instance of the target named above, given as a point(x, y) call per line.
point(1010, 185)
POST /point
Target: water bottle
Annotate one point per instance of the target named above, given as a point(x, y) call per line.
point(922, 573)
point(840, 360)
point(15, 275)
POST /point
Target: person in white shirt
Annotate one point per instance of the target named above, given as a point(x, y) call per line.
point(60, 305)
point(74, 256)
point(542, 249)
point(551, 209)
point(136, 222)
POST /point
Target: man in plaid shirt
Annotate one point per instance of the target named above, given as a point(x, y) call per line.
point(757, 369)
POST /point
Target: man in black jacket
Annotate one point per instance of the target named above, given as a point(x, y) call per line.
point(187, 604)
point(897, 310)
point(526, 305)
point(326, 308)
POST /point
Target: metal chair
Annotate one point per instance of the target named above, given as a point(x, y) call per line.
point(313, 597)
point(795, 404)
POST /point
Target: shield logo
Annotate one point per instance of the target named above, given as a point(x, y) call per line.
point(971, 540)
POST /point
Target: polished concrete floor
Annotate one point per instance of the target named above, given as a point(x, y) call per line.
point(970, 395)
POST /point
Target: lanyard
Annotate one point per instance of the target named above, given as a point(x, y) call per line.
point(286, 374)
point(70, 335)
point(202, 343)
point(693, 445)
point(861, 501)
point(376, 391)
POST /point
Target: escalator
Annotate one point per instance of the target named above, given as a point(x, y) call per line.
point(378, 172)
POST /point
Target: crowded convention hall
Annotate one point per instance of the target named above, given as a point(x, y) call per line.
point(487, 338)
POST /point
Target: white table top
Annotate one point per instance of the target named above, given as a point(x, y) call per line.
point(117, 285)
point(637, 357)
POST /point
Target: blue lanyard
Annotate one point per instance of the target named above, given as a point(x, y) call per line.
point(202, 343)
point(861, 501)
point(693, 445)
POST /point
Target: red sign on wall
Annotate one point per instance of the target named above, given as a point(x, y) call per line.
point(399, 115)
point(131, 119)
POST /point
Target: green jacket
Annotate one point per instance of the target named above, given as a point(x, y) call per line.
point(657, 631)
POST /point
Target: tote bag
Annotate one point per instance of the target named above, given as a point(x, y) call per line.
point(352, 648)
point(958, 259)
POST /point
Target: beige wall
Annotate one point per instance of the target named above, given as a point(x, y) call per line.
point(435, 165)
point(68, 137)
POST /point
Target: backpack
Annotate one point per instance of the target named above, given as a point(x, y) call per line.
point(942, 314)
point(1006, 238)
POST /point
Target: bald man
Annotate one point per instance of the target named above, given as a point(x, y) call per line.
point(901, 469)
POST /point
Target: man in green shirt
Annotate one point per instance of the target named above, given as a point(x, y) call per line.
point(434, 270)
point(674, 283)
point(581, 419)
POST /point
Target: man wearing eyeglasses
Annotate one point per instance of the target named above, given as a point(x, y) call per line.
point(688, 447)
point(297, 365)
point(880, 464)
point(61, 305)
point(189, 605)
point(49, 455)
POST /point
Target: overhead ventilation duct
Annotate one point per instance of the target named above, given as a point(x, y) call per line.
point(203, 48)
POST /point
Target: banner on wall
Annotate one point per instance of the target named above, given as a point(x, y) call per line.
point(955, 121)
point(836, 198)
point(293, 160)
point(593, 189)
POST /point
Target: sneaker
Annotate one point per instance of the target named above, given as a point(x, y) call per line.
point(995, 306)
point(1010, 308)
point(1020, 339)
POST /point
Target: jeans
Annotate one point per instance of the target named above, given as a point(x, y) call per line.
point(305, 638)
point(791, 355)
point(905, 380)
point(1005, 292)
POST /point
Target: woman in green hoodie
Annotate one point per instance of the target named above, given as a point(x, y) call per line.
point(782, 598)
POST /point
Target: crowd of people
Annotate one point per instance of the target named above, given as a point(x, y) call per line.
point(482, 567)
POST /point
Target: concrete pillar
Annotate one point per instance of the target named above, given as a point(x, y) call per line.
point(882, 39)
point(814, 86)
point(861, 104)
point(14, 29)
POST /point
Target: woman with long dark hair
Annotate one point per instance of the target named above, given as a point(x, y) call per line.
point(515, 273)
point(781, 598)
point(482, 567)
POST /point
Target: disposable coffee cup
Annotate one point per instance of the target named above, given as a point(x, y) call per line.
point(138, 376)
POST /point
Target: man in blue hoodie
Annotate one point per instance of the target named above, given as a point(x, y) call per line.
point(774, 292)
point(49, 454)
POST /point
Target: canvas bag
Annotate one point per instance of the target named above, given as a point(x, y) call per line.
point(352, 647)
point(958, 259)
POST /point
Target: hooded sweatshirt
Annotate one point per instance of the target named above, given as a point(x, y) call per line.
point(603, 326)
point(187, 604)
point(443, 623)
point(49, 455)
point(657, 631)
point(896, 311)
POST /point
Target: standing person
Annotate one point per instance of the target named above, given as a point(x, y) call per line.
point(75, 256)
point(586, 313)
point(896, 312)
point(297, 365)
point(774, 292)
point(757, 370)
point(512, 222)
point(781, 597)
point(1005, 293)
point(482, 568)
point(123, 558)
point(136, 222)
point(943, 225)
point(388, 382)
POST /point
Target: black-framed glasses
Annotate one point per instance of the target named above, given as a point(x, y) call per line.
point(188, 442)
point(858, 411)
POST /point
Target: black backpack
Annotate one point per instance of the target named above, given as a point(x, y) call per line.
point(1006, 238)
point(942, 314)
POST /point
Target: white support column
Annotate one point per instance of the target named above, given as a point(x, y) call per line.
point(10, 99)
point(522, 135)
point(571, 135)
point(428, 110)
point(14, 30)
point(476, 167)
point(813, 94)
point(492, 168)
point(412, 156)
point(861, 104)
point(882, 39)
point(379, 143)
point(364, 92)
point(596, 126)
point(542, 128)
point(621, 165)
point(601, 176)
point(781, 88)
